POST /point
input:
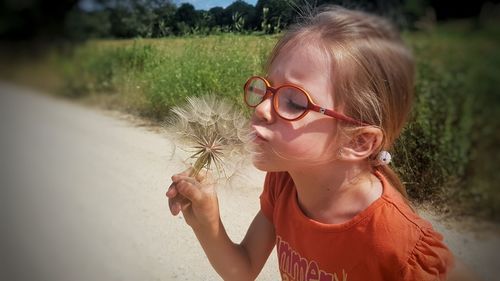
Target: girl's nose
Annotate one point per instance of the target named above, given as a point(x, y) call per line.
point(264, 111)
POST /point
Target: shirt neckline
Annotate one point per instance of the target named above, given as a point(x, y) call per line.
point(304, 219)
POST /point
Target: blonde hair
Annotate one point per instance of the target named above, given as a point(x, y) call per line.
point(373, 69)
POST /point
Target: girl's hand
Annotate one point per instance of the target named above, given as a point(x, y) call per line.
point(196, 198)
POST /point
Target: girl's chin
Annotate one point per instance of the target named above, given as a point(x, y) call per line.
point(260, 165)
point(262, 169)
point(265, 166)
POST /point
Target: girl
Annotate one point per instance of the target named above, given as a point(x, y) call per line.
point(337, 93)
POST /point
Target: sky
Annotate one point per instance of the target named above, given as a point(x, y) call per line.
point(207, 4)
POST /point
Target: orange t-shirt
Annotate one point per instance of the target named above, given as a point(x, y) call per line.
point(386, 241)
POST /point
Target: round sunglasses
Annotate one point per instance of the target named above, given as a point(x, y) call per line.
point(289, 101)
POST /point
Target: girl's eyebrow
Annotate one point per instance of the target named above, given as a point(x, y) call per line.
point(272, 82)
point(286, 82)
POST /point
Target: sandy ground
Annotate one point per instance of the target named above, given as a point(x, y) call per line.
point(83, 199)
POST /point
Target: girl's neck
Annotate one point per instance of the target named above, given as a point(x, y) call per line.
point(335, 193)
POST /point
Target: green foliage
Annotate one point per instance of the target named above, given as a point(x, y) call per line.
point(245, 12)
point(274, 15)
point(448, 151)
point(93, 24)
point(215, 65)
point(436, 143)
point(133, 20)
point(99, 69)
point(238, 22)
point(186, 15)
point(265, 25)
point(167, 71)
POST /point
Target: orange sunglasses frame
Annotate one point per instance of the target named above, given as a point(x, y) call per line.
point(271, 91)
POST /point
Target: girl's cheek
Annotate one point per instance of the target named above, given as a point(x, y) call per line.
point(289, 150)
point(313, 147)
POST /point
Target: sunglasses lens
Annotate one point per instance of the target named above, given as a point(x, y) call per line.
point(291, 102)
point(254, 91)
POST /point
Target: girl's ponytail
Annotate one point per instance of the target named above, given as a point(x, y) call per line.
point(393, 178)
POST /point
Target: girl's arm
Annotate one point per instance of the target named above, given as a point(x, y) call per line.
point(197, 200)
point(239, 261)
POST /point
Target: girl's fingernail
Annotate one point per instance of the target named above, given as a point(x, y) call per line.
point(177, 207)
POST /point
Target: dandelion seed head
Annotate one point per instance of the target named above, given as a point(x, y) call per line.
point(213, 131)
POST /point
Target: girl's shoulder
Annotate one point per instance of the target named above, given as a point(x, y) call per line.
point(404, 225)
point(401, 213)
point(421, 249)
point(401, 219)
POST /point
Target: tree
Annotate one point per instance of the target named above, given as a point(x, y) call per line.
point(132, 18)
point(276, 14)
point(185, 18)
point(217, 17)
point(81, 25)
point(164, 22)
point(121, 26)
point(242, 12)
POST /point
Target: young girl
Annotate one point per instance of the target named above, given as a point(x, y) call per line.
point(337, 93)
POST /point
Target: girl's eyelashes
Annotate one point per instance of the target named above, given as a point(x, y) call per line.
point(291, 105)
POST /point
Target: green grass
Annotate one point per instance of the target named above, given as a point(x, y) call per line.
point(162, 73)
point(447, 154)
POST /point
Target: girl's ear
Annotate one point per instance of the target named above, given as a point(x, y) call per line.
point(364, 143)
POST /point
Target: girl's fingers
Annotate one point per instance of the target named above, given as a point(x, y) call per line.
point(177, 204)
point(205, 177)
point(179, 177)
point(171, 191)
point(185, 190)
point(182, 192)
point(188, 188)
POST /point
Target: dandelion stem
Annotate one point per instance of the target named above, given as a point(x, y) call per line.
point(201, 161)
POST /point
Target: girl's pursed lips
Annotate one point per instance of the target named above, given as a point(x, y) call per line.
point(258, 133)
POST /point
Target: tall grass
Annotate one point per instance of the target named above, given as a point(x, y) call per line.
point(447, 154)
point(164, 72)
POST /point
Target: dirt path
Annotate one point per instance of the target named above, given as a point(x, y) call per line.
point(83, 199)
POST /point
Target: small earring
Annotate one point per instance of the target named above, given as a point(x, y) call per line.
point(340, 152)
point(383, 158)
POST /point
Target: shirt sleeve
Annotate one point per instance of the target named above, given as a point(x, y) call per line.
point(430, 259)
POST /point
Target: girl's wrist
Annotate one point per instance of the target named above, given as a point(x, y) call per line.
point(209, 229)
